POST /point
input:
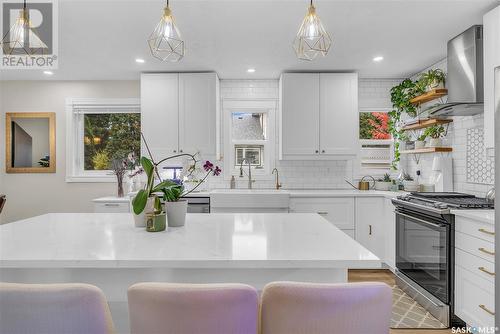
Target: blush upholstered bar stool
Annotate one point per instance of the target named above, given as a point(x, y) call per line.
point(53, 309)
point(168, 308)
point(300, 308)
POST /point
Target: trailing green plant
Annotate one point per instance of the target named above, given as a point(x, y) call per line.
point(431, 79)
point(401, 96)
point(422, 137)
point(435, 131)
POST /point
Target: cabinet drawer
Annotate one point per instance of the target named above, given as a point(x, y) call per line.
point(479, 247)
point(476, 265)
point(475, 228)
point(111, 207)
point(339, 211)
point(474, 298)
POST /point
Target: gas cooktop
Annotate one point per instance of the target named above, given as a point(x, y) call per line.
point(446, 200)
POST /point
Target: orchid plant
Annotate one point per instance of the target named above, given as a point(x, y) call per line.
point(172, 190)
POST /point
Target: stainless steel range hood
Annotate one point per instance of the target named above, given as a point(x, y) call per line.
point(464, 79)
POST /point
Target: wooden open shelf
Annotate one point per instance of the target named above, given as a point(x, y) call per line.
point(426, 123)
point(429, 96)
point(428, 150)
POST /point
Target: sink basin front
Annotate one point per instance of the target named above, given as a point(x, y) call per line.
point(250, 198)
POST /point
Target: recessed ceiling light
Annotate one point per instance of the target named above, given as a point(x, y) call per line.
point(251, 70)
point(48, 72)
point(140, 60)
point(378, 59)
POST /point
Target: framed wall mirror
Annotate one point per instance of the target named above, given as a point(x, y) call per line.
point(30, 142)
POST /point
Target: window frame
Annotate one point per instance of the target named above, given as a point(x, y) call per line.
point(75, 139)
point(268, 106)
point(361, 171)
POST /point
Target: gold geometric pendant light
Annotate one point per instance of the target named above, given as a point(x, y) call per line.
point(165, 41)
point(22, 38)
point(312, 38)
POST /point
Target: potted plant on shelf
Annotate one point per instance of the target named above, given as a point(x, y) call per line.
point(383, 183)
point(435, 132)
point(175, 205)
point(408, 182)
point(420, 142)
point(432, 79)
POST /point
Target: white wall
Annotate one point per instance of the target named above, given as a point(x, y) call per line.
point(34, 194)
point(457, 139)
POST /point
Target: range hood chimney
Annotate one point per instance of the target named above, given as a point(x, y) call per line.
point(464, 79)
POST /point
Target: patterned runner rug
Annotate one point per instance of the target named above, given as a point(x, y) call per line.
point(407, 313)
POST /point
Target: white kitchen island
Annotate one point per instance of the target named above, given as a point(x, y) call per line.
point(108, 251)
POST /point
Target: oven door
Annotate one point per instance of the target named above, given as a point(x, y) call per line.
point(423, 252)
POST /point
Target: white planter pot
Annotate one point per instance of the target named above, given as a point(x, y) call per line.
point(435, 85)
point(383, 186)
point(176, 213)
point(140, 219)
point(419, 144)
point(435, 142)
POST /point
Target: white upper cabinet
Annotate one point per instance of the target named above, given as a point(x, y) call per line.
point(299, 114)
point(160, 113)
point(197, 112)
point(178, 113)
point(491, 45)
point(318, 116)
point(338, 117)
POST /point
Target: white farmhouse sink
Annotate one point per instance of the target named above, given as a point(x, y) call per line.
point(249, 200)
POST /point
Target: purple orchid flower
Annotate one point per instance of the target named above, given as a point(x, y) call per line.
point(217, 171)
point(208, 166)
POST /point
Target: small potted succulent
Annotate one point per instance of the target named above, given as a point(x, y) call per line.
point(384, 183)
point(435, 132)
point(408, 182)
point(420, 142)
point(432, 79)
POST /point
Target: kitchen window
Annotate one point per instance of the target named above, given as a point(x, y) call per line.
point(249, 136)
point(100, 131)
point(375, 140)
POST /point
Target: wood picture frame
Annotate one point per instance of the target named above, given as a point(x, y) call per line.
point(51, 116)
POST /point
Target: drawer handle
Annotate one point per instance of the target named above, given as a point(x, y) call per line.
point(484, 308)
point(484, 270)
point(323, 213)
point(111, 204)
point(481, 249)
point(486, 231)
point(369, 230)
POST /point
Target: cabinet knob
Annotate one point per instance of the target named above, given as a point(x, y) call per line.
point(175, 151)
point(322, 151)
point(181, 151)
point(316, 151)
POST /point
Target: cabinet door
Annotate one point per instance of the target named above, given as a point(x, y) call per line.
point(160, 113)
point(299, 122)
point(390, 233)
point(197, 112)
point(491, 47)
point(370, 224)
point(339, 117)
point(339, 210)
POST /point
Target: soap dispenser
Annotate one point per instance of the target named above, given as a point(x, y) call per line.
point(233, 183)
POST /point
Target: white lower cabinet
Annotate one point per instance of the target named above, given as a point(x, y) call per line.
point(112, 205)
point(390, 233)
point(370, 222)
point(474, 272)
point(337, 210)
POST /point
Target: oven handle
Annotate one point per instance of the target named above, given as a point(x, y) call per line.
point(419, 220)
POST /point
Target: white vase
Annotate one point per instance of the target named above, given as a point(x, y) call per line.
point(176, 213)
point(435, 142)
point(140, 219)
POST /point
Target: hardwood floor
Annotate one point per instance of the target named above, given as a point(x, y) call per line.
point(386, 276)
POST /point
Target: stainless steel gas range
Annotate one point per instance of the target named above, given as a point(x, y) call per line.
point(425, 248)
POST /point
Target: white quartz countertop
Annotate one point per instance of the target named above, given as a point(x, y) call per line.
point(102, 240)
point(487, 216)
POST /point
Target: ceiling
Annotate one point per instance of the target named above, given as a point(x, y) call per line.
point(99, 40)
